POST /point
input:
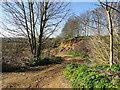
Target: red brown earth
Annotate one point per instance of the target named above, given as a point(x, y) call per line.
point(70, 43)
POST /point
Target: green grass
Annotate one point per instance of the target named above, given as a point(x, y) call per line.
point(72, 38)
point(84, 56)
point(77, 54)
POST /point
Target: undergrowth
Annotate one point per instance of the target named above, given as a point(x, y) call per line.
point(44, 61)
point(82, 76)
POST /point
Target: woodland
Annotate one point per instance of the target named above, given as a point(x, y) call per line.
point(86, 54)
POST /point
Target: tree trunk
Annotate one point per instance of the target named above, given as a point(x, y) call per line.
point(111, 37)
point(39, 50)
point(119, 47)
point(39, 46)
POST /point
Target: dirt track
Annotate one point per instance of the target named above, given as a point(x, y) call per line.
point(50, 77)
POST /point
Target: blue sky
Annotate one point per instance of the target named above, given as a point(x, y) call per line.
point(77, 8)
point(80, 7)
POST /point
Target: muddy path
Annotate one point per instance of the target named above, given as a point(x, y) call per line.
point(49, 77)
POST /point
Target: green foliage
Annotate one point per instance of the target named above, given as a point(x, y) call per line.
point(57, 59)
point(84, 56)
point(43, 61)
point(64, 39)
point(114, 67)
point(102, 67)
point(32, 62)
point(67, 38)
point(70, 69)
point(63, 47)
point(38, 62)
point(82, 76)
point(79, 74)
point(77, 54)
point(88, 61)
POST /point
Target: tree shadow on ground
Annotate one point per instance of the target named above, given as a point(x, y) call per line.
point(11, 68)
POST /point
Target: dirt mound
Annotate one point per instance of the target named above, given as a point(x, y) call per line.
point(70, 43)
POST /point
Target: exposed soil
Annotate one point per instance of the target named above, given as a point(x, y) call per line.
point(70, 44)
point(48, 77)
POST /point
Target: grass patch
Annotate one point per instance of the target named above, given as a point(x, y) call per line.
point(72, 38)
point(82, 76)
point(84, 56)
point(77, 54)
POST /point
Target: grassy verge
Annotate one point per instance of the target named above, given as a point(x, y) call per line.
point(82, 76)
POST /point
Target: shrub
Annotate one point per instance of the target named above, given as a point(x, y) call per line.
point(57, 59)
point(70, 69)
point(87, 60)
point(98, 47)
point(102, 67)
point(77, 75)
point(114, 67)
point(32, 62)
point(38, 62)
point(44, 61)
point(82, 76)
point(96, 80)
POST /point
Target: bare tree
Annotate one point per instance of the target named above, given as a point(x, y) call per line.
point(71, 27)
point(34, 20)
point(84, 21)
point(108, 8)
point(119, 32)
